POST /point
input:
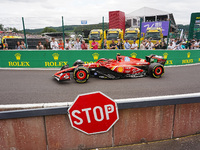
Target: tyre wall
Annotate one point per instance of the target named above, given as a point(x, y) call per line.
point(58, 58)
point(134, 125)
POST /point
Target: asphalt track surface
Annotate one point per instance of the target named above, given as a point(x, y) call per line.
point(38, 86)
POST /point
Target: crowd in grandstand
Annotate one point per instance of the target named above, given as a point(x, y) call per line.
point(20, 35)
point(147, 44)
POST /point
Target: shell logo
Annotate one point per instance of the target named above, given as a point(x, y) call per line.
point(188, 55)
point(120, 69)
point(165, 55)
point(55, 56)
point(133, 55)
point(18, 56)
point(95, 56)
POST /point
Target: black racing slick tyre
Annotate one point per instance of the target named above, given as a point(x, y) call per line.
point(156, 70)
point(81, 74)
point(64, 67)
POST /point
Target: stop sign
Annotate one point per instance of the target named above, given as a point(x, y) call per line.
point(93, 113)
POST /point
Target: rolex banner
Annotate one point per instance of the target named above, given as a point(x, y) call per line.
point(57, 59)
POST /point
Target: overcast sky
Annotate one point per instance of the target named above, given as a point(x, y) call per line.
point(42, 13)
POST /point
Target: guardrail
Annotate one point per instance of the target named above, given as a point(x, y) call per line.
point(58, 58)
point(149, 119)
point(122, 104)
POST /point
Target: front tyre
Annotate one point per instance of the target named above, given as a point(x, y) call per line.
point(156, 70)
point(81, 75)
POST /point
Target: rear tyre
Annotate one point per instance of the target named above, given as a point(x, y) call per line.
point(81, 74)
point(156, 70)
point(64, 67)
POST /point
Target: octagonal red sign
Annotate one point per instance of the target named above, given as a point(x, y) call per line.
point(93, 113)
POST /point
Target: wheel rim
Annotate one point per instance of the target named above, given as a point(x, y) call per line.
point(158, 71)
point(81, 75)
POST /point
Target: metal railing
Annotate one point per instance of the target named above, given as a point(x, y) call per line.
point(121, 103)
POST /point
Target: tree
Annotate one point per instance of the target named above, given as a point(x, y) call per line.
point(1, 27)
point(47, 29)
point(15, 30)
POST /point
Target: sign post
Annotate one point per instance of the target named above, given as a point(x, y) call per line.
point(93, 113)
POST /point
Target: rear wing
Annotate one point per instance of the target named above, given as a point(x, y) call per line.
point(155, 58)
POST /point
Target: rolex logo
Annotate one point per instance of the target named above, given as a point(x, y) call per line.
point(188, 55)
point(165, 55)
point(133, 55)
point(18, 56)
point(95, 56)
point(55, 56)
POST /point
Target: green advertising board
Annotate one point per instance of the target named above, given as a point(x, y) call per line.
point(57, 59)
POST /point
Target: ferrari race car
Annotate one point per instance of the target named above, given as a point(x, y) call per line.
point(121, 67)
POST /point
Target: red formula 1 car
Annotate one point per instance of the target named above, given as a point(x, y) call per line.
point(122, 67)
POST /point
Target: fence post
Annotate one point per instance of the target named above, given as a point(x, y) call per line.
point(140, 31)
point(103, 33)
point(63, 30)
point(24, 32)
point(168, 33)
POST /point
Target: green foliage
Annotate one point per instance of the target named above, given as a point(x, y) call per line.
point(184, 27)
point(81, 28)
point(1, 27)
point(48, 29)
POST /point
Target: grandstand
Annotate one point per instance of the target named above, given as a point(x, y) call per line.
point(149, 15)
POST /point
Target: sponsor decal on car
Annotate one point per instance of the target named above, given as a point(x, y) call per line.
point(120, 69)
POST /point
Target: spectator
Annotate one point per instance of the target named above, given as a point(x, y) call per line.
point(183, 45)
point(157, 45)
point(134, 45)
point(23, 45)
point(113, 45)
point(61, 45)
point(196, 44)
point(179, 46)
point(142, 45)
point(176, 41)
point(67, 45)
point(47, 44)
point(77, 45)
point(192, 45)
point(127, 45)
point(40, 46)
point(173, 43)
point(188, 45)
point(54, 44)
point(119, 44)
point(149, 45)
point(170, 47)
point(104, 44)
point(198, 41)
point(95, 44)
point(1, 46)
point(163, 45)
point(6, 46)
point(18, 46)
point(84, 45)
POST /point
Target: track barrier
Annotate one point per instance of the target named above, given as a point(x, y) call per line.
point(59, 58)
point(41, 126)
